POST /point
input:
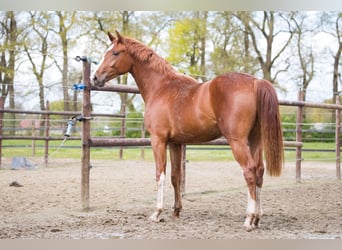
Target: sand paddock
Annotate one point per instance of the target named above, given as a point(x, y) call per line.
point(122, 196)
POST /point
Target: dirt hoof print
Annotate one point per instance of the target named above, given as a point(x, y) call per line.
point(15, 184)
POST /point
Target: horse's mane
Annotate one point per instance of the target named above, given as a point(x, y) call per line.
point(145, 54)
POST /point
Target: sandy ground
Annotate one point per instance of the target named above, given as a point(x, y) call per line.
point(122, 196)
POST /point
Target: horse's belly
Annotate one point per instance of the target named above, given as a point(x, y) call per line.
point(196, 134)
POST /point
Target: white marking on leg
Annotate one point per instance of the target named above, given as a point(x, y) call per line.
point(258, 209)
point(250, 212)
point(160, 199)
point(251, 204)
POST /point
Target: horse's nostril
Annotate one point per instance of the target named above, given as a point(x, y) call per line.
point(94, 79)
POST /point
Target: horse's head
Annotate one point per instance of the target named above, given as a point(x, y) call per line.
point(116, 61)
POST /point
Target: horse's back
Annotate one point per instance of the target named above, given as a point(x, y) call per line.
point(233, 82)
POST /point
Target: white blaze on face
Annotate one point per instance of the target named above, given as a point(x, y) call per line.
point(101, 61)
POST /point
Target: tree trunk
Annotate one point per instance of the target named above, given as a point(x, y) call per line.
point(7, 67)
point(203, 49)
point(65, 72)
point(336, 72)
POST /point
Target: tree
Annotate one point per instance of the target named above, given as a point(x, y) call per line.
point(66, 21)
point(337, 56)
point(152, 26)
point(187, 43)
point(40, 25)
point(8, 49)
point(332, 24)
point(304, 52)
point(263, 29)
point(232, 46)
point(125, 101)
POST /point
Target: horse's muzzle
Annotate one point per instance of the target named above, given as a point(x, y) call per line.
point(94, 80)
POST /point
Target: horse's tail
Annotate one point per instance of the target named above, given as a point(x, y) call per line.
point(271, 131)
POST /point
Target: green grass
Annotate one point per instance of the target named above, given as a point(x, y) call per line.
point(72, 149)
point(314, 151)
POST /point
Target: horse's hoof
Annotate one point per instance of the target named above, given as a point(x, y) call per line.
point(154, 218)
point(176, 212)
point(157, 220)
point(252, 222)
point(175, 217)
point(249, 226)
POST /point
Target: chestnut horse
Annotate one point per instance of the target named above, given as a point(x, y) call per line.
point(180, 110)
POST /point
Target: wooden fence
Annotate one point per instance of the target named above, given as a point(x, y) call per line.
point(46, 118)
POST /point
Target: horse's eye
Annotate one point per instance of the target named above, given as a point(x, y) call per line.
point(115, 53)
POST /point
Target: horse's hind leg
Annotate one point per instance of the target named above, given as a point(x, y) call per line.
point(243, 156)
point(256, 150)
point(175, 155)
point(257, 155)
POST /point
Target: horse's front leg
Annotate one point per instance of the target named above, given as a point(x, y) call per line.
point(159, 151)
point(176, 158)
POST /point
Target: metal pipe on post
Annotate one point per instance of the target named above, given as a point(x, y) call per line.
point(86, 112)
point(299, 136)
point(337, 139)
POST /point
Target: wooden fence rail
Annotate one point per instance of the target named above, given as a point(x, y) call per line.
point(46, 113)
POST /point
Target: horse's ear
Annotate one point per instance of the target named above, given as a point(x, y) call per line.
point(120, 37)
point(111, 37)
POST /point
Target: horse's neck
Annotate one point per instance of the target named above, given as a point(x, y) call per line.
point(149, 81)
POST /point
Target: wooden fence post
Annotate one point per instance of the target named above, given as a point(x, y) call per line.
point(86, 113)
point(33, 133)
point(337, 139)
point(299, 136)
point(123, 128)
point(183, 169)
point(143, 135)
point(2, 105)
point(46, 132)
